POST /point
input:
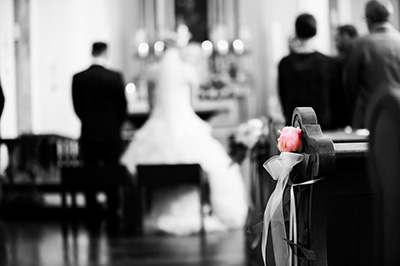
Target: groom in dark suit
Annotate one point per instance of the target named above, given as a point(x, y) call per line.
point(99, 102)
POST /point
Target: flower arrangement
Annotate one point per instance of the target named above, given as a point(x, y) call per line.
point(246, 137)
point(289, 139)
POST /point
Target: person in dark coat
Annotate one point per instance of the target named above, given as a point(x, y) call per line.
point(99, 101)
point(304, 76)
point(340, 98)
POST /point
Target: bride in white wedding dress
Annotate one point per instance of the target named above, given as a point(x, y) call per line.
point(175, 134)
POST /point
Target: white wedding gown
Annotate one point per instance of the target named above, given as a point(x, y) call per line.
point(175, 134)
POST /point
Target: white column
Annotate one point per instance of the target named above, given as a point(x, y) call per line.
point(320, 10)
point(7, 69)
point(345, 11)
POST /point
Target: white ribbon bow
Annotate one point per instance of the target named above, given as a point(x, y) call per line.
point(279, 167)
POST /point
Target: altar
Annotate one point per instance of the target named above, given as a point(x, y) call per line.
point(139, 111)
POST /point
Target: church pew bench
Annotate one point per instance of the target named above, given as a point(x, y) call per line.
point(335, 218)
point(383, 122)
point(78, 179)
point(151, 177)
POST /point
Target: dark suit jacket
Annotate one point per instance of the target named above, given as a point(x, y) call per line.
point(304, 80)
point(100, 103)
point(373, 67)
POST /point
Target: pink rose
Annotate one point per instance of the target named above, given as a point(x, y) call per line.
point(289, 139)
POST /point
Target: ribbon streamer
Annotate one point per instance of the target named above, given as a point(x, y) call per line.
point(279, 167)
point(293, 219)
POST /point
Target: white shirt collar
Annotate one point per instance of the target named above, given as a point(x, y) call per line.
point(304, 46)
point(101, 61)
point(382, 26)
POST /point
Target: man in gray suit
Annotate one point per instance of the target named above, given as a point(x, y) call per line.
point(374, 61)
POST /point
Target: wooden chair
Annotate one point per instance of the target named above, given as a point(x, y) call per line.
point(76, 179)
point(151, 176)
point(384, 172)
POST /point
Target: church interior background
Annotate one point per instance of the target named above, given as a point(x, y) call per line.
point(44, 42)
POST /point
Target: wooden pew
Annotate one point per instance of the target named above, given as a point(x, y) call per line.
point(151, 177)
point(335, 218)
point(78, 179)
point(384, 167)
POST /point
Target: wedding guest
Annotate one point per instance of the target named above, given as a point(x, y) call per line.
point(100, 103)
point(304, 77)
point(174, 134)
point(374, 61)
point(340, 101)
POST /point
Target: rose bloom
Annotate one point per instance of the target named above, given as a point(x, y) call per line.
point(289, 139)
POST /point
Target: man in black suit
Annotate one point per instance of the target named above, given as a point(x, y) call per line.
point(100, 103)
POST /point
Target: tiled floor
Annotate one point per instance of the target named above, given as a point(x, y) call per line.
point(38, 243)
